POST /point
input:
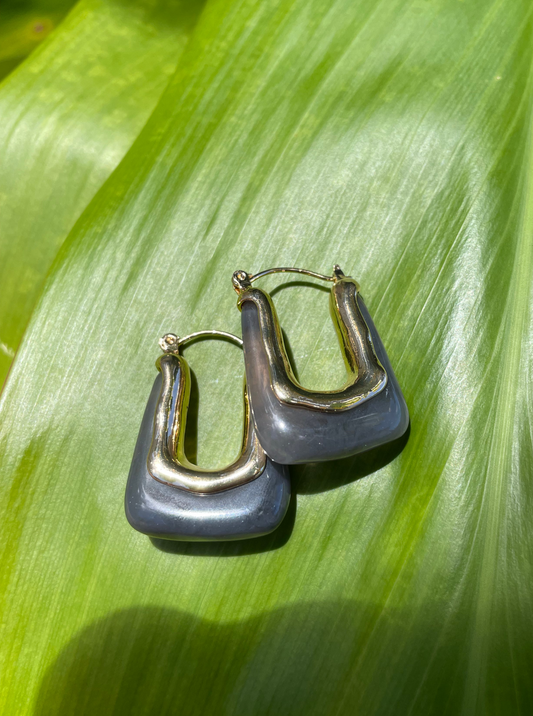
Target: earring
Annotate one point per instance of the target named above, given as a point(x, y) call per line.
point(296, 425)
point(169, 497)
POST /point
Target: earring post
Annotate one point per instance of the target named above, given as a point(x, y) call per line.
point(243, 279)
point(171, 343)
point(287, 269)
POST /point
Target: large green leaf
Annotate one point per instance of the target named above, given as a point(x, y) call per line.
point(69, 114)
point(393, 138)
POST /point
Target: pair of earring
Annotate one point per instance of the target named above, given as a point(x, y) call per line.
point(284, 423)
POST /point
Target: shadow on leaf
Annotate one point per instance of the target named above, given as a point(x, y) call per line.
point(149, 660)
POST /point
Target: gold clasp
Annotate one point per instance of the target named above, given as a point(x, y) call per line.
point(243, 280)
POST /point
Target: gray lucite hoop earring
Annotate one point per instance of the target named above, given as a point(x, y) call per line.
point(170, 498)
point(296, 425)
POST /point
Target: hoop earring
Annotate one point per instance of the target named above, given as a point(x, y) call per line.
point(170, 498)
point(296, 425)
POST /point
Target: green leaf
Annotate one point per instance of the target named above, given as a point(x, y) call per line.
point(69, 115)
point(393, 138)
point(24, 25)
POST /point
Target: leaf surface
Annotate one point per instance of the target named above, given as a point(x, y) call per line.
point(69, 114)
point(393, 138)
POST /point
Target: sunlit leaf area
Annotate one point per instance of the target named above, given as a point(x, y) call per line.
point(150, 148)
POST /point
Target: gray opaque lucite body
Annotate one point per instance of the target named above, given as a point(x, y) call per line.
point(291, 435)
point(167, 512)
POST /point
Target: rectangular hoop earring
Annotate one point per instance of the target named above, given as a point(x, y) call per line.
point(296, 425)
point(169, 498)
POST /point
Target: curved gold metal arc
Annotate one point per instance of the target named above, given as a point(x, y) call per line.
point(167, 461)
point(171, 343)
point(243, 280)
point(366, 375)
point(320, 276)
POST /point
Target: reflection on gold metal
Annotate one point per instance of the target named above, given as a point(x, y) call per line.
point(167, 461)
point(366, 375)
